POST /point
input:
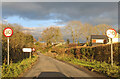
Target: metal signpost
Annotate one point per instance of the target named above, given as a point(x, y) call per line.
point(7, 33)
point(111, 33)
point(27, 50)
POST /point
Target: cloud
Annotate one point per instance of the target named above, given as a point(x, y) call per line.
point(91, 12)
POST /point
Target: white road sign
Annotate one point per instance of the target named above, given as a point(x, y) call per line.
point(7, 32)
point(33, 49)
point(111, 33)
point(27, 50)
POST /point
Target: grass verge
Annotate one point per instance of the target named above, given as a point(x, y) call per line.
point(15, 69)
point(92, 65)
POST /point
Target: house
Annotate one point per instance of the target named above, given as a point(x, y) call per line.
point(99, 39)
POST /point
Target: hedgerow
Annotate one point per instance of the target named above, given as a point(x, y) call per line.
point(15, 69)
point(93, 65)
point(95, 58)
point(100, 53)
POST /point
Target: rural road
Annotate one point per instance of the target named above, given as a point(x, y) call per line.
point(49, 67)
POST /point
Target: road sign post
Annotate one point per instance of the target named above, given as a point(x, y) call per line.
point(111, 52)
point(30, 55)
point(27, 50)
point(111, 33)
point(8, 32)
point(8, 49)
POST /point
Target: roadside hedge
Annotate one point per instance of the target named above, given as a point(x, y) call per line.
point(99, 52)
point(18, 41)
point(16, 69)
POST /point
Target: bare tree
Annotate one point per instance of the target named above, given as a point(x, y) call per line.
point(101, 28)
point(87, 31)
point(39, 39)
point(52, 34)
point(73, 27)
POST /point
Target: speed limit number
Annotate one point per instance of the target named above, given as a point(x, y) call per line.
point(8, 32)
point(111, 33)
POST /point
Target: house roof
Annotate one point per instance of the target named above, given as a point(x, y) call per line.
point(99, 37)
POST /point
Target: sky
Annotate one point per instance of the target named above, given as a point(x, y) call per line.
point(44, 14)
point(60, 1)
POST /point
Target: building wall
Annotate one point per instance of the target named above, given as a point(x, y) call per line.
point(99, 39)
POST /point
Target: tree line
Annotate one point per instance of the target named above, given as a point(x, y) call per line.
point(76, 30)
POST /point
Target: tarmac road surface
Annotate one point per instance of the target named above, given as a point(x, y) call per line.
point(50, 67)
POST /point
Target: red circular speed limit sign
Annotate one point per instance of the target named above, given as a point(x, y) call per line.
point(111, 33)
point(33, 49)
point(8, 32)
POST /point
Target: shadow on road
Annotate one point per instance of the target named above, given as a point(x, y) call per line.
point(59, 75)
point(51, 75)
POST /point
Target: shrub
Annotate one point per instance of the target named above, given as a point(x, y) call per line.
point(68, 41)
point(15, 69)
point(99, 53)
point(93, 65)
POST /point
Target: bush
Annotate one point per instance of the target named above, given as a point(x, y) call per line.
point(68, 41)
point(15, 69)
point(99, 53)
point(93, 65)
point(18, 41)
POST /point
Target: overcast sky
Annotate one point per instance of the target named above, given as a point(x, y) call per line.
point(37, 14)
point(60, 0)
